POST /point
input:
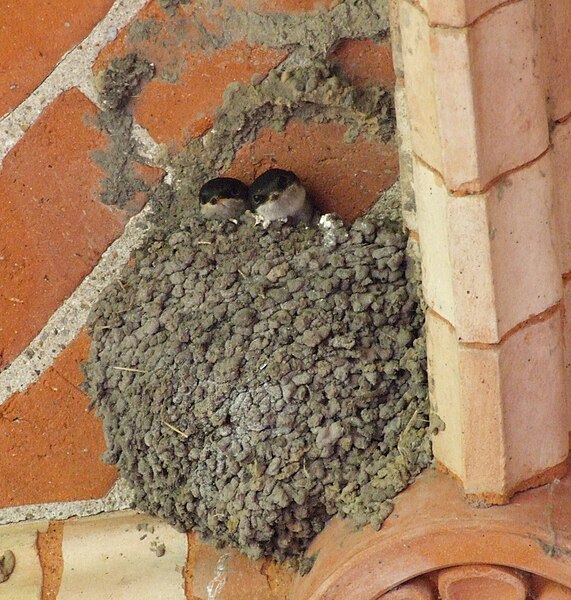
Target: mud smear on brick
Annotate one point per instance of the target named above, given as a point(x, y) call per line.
point(253, 383)
point(116, 85)
point(311, 34)
point(170, 5)
point(311, 92)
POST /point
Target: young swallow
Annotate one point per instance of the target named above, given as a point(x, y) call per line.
point(279, 195)
point(223, 198)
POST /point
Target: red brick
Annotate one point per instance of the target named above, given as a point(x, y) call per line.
point(340, 177)
point(283, 6)
point(245, 579)
point(173, 113)
point(53, 228)
point(366, 62)
point(49, 545)
point(49, 443)
point(34, 36)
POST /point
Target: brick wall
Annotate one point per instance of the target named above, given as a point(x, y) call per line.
point(62, 241)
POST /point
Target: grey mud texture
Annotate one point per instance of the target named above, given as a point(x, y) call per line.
point(253, 383)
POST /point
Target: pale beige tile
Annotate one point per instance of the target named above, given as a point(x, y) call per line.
point(444, 392)
point(482, 421)
point(405, 160)
point(25, 582)
point(419, 84)
point(226, 574)
point(432, 216)
point(473, 277)
point(456, 90)
point(503, 254)
point(120, 557)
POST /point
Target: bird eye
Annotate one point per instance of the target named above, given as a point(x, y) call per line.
point(258, 198)
point(282, 183)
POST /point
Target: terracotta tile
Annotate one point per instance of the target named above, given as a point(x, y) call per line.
point(50, 554)
point(366, 62)
point(506, 81)
point(561, 153)
point(280, 579)
point(444, 393)
point(25, 582)
point(63, 462)
point(433, 527)
point(176, 112)
point(122, 556)
point(53, 228)
point(462, 83)
point(520, 215)
point(567, 344)
point(417, 589)
point(549, 590)
point(432, 206)
point(420, 86)
point(283, 6)
point(472, 582)
point(492, 238)
point(503, 431)
point(227, 575)
point(346, 178)
point(492, 437)
point(35, 36)
point(458, 13)
point(555, 18)
point(192, 543)
point(475, 250)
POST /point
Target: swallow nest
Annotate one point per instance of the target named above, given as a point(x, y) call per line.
point(255, 382)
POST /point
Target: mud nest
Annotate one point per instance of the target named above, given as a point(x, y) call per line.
point(255, 382)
